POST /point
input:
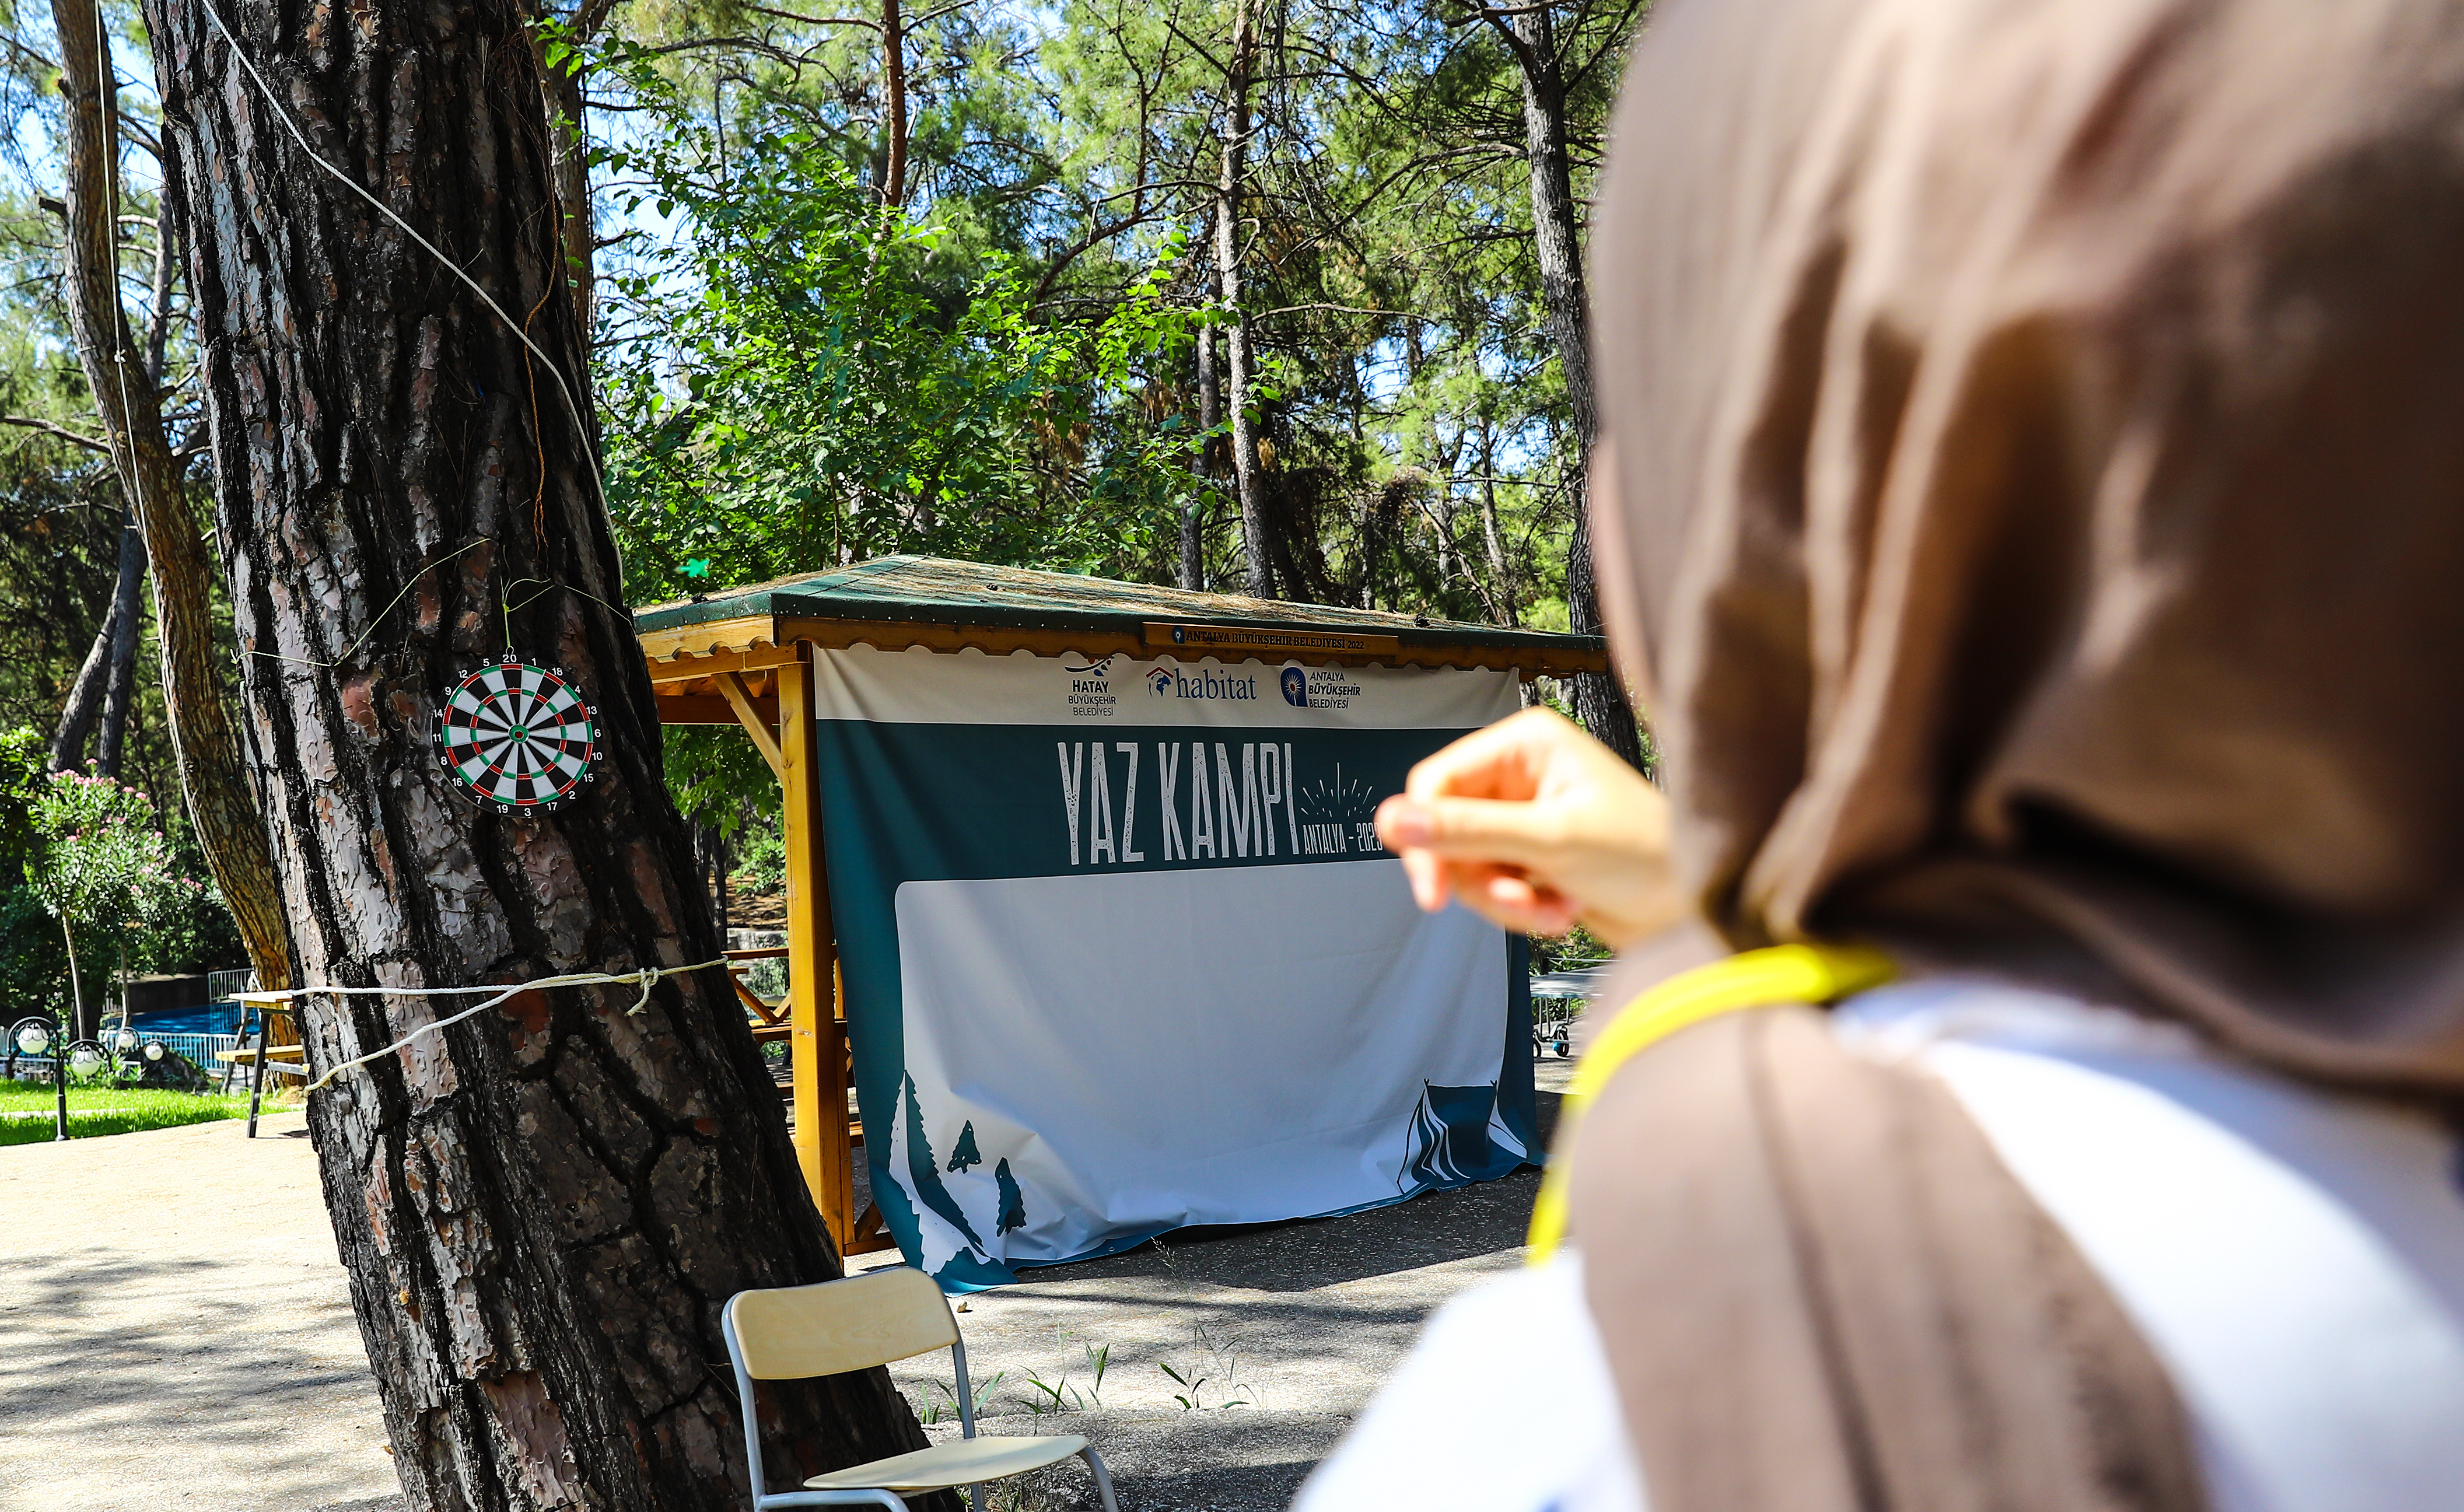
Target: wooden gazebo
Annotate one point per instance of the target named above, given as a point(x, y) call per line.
point(744, 657)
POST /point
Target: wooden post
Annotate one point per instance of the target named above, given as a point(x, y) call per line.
point(817, 1048)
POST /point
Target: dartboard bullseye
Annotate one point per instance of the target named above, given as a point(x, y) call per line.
point(519, 737)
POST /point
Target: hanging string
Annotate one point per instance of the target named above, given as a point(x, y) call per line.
point(362, 639)
point(648, 977)
point(505, 607)
point(505, 603)
point(284, 115)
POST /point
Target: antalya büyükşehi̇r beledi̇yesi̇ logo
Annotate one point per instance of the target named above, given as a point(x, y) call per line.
point(1296, 688)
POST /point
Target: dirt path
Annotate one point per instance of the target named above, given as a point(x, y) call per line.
point(176, 1333)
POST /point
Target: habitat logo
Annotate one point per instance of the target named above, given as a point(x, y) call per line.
point(1165, 683)
point(1296, 688)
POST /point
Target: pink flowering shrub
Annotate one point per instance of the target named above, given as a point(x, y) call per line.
point(101, 862)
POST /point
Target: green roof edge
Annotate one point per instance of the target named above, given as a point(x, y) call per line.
point(813, 597)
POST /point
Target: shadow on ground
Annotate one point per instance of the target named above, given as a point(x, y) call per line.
point(181, 1289)
point(1309, 1254)
point(108, 1359)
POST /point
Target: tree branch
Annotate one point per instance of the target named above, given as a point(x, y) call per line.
point(63, 432)
point(1349, 309)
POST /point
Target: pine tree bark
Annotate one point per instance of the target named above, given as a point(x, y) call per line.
point(1599, 698)
point(166, 262)
point(1210, 413)
point(119, 692)
point(67, 752)
point(893, 186)
point(1240, 67)
point(542, 1210)
point(230, 827)
point(1500, 568)
point(91, 690)
point(569, 142)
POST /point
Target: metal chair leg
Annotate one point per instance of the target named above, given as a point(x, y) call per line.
point(256, 1077)
point(1103, 1480)
point(231, 1067)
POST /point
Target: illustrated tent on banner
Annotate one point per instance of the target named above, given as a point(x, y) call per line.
point(1119, 948)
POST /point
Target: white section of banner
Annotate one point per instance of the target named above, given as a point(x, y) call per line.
point(1151, 1050)
point(920, 686)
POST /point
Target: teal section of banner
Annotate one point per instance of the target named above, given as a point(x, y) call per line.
point(921, 802)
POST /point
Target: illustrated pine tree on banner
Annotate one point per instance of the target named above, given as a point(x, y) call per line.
point(966, 1154)
point(1013, 1201)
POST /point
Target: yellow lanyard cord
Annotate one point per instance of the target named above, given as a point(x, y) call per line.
point(1783, 973)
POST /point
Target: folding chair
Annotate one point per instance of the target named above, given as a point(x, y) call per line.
point(795, 1332)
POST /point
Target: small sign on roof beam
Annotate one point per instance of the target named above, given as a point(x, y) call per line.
point(1254, 638)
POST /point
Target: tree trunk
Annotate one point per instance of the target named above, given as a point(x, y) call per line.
point(128, 617)
point(542, 1210)
point(87, 694)
point(77, 1006)
point(229, 826)
point(84, 701)
point(893, 105)
point(1210, 414)
point(167, 264)
point(1599, 698)
point(1258, 581)
point(1501, 570)
point(569, 147)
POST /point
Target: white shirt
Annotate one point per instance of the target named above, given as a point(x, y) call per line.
point(2295, 1256)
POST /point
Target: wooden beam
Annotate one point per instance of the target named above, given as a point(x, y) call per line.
point(669, 665)
point(750, 633)
point(697, 709)
point(753, 1004)
point(766, 738)
point(897, 635)
point(994, 640)
point(1298, 640)
point(817, 1054)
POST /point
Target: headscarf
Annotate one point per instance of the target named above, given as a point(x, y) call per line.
point(2033, 457)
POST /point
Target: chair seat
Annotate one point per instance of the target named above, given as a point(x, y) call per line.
point(959, 1462)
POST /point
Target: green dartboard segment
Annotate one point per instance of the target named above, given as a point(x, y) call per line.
point(519, 737)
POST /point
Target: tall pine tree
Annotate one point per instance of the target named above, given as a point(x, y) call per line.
point(542, 1210)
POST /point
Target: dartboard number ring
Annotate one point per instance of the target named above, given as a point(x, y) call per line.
point(519, 737)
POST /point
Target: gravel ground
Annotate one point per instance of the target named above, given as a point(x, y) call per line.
point(176, 1333)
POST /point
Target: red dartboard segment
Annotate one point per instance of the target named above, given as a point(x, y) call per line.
point(518, 736)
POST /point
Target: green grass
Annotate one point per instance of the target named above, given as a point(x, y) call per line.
point(101, 1108)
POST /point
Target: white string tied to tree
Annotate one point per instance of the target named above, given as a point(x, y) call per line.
point(647, 978)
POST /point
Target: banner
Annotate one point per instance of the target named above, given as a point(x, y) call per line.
point(1121, 952)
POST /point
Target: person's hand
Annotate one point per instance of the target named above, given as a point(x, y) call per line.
point(1536, 826)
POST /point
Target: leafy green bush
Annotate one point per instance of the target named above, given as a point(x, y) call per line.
point(87, 849)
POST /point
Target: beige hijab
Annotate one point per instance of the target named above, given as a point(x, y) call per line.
point(2035, 458)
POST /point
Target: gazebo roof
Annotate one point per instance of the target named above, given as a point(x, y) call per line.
point(898, 601)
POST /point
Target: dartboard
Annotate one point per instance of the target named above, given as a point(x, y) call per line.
point(519, 737)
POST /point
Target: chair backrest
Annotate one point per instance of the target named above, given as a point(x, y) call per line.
point(792, 1332)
